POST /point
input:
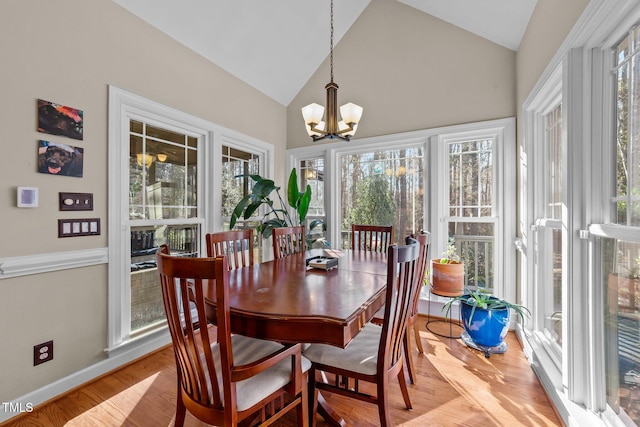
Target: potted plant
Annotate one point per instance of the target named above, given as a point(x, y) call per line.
point(485, 317)
point(261, 194)
point(447, 273)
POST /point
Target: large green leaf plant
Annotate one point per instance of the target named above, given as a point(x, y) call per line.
point(277, 216)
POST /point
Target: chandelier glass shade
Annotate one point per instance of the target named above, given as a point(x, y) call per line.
point(145, 159)
point(331, 127)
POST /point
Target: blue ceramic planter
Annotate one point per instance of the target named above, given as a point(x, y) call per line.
point(487, 327)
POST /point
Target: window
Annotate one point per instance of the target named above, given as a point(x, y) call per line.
point(580, 154)
point(548, 312)
point(237, 165)
point(163, 186)
point(155, 198)
point(163, 189)
point(471, 219)
point(551, 256)
point(544, 286)
point(620, 254)
point(312, 174)
point(382, 187)
point(621, 305)
point(405, 180)
point(471, 204)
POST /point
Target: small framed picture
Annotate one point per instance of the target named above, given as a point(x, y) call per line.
point(60, 159)
point(56, 119)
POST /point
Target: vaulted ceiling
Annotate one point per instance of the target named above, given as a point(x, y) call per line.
point(277, 45)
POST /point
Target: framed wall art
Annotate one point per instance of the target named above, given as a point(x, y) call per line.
point(60, 159)
point(57, 119)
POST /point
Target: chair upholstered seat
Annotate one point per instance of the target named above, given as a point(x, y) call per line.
point(253, 389)
point(360, 355)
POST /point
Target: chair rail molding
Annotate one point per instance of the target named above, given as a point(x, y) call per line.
point(44, 263)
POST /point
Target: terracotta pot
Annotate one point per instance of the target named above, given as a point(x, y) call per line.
point(447, 279)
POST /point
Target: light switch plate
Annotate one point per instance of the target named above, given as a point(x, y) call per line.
point(78, 227)
point(76, 201)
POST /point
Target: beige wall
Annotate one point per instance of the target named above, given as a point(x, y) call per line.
point(69, 51)
point(550, 23)
point(411, 71)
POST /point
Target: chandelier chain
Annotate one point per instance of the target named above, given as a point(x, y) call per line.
point(331, 43)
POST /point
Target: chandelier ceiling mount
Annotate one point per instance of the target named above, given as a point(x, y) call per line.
point(331, 128)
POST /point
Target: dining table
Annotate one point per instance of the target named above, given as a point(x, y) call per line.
point(286, 300)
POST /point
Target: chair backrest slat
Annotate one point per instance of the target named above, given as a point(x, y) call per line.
point(237, 245)
point(424, 239)
point(288, 240)
point(403, 282)
point(183, 281)
point(375, 238)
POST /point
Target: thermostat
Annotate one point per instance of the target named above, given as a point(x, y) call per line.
point(27, 197)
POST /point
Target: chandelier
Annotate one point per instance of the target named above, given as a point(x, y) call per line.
point(331, 128)
point(147, 159)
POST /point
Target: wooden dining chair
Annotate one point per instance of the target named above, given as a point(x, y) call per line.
point(288, 240)
point(236, 378)
point(237, 245)
point(424, 239)
point(375, 353)
point(371, 237)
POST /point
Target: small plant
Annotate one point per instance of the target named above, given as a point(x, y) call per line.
point(450, 256)
point(275, 217)
point(480, 298)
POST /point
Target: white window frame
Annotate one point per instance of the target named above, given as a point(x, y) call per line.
point(264, 151)
point(541, 103)
point(334, 181)
point(579, 392)
point(124, 106)
point(503, 150)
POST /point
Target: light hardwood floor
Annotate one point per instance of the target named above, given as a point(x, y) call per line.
point(457, 386)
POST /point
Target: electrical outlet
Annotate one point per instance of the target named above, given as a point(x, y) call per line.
point(42, 352)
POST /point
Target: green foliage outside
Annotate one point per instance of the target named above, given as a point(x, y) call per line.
point(375, 202)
